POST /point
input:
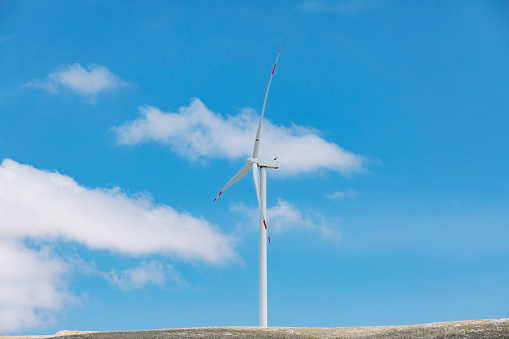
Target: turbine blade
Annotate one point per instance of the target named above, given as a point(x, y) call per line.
point(258, 132)
point(236, 178)
point(256, 179)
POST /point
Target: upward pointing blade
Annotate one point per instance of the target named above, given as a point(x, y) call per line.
point(236, 178)
point(257, 140)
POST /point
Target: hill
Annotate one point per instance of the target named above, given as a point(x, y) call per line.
point(492, 328)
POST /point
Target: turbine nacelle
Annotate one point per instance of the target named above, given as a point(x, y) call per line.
point(264, 162)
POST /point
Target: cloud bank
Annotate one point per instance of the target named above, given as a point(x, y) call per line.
point(43, 207)
point(195, 132)
point(77, 79)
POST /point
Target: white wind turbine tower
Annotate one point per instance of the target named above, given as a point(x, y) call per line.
point(260, 185)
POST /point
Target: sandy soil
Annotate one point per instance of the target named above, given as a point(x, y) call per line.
point(491, 328)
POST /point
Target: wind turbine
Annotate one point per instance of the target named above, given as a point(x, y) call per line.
point(260, 182)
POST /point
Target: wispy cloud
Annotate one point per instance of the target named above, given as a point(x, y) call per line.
point(285, 217)
point(148, 273)
point(48, 207)
point(196, 132)
point(345, 7)
point(342, 195)
point(77, 79)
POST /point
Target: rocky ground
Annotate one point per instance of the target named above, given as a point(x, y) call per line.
point(493, 328)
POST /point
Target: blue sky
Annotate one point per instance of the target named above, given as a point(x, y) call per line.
point(119, 124)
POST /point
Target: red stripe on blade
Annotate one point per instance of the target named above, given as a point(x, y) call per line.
point(265, 224)
point(217, 196)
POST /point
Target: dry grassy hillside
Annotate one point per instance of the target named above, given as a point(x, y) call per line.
point(494, 328)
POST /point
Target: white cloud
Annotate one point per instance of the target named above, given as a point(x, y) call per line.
point(342, 195)
point(196, 132)
point(86, 83)
point(42, 206)
point(285, 217)
point(52, 206)
point(32, 286)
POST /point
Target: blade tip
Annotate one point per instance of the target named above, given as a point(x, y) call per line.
point(217, 196)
